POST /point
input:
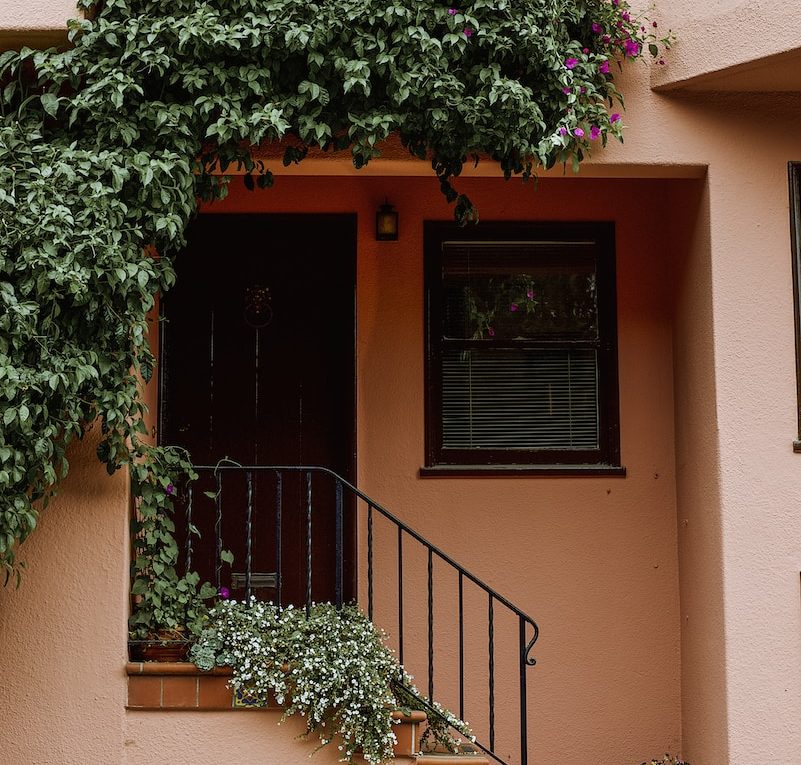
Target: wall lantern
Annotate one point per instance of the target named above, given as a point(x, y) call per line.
point(386, 223)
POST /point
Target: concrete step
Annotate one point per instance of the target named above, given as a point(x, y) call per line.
point(435, 758)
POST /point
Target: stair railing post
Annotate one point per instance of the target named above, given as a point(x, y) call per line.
point(218, 531)
point(308, 544)
point(338, 576)
point(249, 537)
point(279, 500)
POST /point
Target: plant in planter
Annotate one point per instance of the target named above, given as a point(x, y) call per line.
point(667, 760)
point(331, 666)
point(169, 610)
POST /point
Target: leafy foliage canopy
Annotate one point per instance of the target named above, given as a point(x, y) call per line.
point(106, 147)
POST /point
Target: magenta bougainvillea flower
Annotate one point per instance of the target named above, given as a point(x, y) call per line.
point(563, 130)
point(468, 32)
point(567, 91)
point(579, 133)
point(530, 293)
point(452, 11)
point(604, 67)
point(225, 593)
point(614, 118)
point(490, 331)
point(513, 307)
point(170, 489)
point(570, 63)
point(597, 28)
point(626, 16)
point(595, 131)
point(631, 48)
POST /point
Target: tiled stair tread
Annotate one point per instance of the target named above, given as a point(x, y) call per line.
point(415, 715)
point(468, 754)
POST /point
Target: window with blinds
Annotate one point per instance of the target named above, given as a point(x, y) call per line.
point(521, 347)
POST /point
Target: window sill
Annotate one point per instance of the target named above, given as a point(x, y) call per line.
point(513, 471)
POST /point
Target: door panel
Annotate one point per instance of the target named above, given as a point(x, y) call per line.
point(257, 366)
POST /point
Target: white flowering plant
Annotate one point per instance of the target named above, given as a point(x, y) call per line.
point(331, 666)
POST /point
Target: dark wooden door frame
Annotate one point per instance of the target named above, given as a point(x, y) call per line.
point(303, 219)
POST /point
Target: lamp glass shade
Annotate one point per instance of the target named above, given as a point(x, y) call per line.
point(386, 224)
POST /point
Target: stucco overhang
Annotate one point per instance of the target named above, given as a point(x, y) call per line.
point(35, 23)
point(396, 161)
point(752, 47)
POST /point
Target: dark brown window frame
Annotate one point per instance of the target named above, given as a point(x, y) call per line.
point(794, 179)
point(440, 462)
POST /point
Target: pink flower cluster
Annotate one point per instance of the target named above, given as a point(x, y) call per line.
point(624, 26)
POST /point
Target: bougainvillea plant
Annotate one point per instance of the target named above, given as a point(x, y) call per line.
point(107, 146)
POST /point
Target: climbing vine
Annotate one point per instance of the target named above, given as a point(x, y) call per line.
point(105, 148)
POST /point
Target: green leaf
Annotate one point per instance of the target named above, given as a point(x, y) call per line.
point(49, 103)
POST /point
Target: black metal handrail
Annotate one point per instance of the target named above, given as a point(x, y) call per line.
point(528, 631)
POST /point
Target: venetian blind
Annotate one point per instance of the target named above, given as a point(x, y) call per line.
point(501, 389)
point(520, 399)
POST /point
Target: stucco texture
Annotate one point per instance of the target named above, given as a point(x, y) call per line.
point(593, 559)
point(35, 23)
point(669, 600)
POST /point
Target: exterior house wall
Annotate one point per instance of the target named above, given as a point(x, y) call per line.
point(35, 23)
point(593, 559)
point(702, 652)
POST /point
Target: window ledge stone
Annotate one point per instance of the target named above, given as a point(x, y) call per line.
point(514, 471)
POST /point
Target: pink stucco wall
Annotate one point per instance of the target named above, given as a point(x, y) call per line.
point(35, 23)
point(593, 559)
point(670, 606)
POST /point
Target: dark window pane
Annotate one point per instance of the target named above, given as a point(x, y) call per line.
point(512, 290)
point(520, 399)
point(521, 346)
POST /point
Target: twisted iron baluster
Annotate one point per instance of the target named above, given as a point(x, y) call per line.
point(308, 544)
point(278, 510)
point(370, 562)
point(338, 543)
point(218, 531)
point(523, 699)
point(430, 625)
point(190, 495)
point(400, 594)
point(461, 646)
point(249, 540)
point(491, 637)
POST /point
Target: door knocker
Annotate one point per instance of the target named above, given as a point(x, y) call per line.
point(258, 306)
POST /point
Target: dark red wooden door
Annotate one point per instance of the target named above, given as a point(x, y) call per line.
point(258, 367)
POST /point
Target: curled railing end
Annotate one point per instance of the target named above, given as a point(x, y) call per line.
point(529, 659)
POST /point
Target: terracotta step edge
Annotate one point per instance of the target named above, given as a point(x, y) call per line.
point(451, 759)
point(414, 716)
point(171, 668)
